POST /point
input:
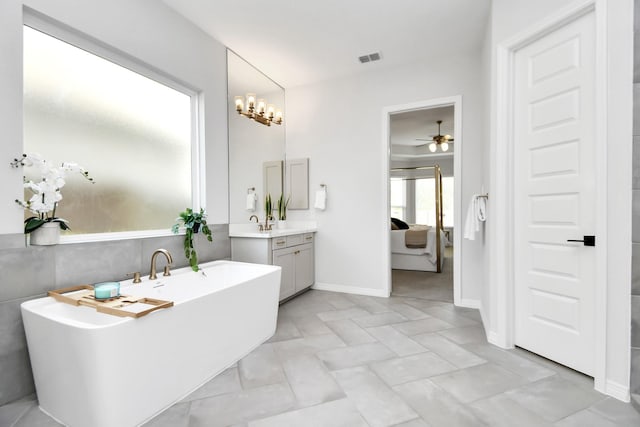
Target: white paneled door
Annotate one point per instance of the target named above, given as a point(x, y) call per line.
point(555, 195)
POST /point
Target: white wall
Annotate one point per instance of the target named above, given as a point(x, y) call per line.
point(619, 180)
point(509, 17)
point(144, 29)
point(485, 71)
point(10, 113)
point(338, 125)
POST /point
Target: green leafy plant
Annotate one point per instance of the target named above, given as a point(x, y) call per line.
point(268, 208)
point(193, 222)
point(282, 207)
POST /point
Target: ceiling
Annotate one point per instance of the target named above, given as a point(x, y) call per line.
point(300, 42)
point(405, 128)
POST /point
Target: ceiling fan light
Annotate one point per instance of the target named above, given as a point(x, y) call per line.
point(432, 147)
point(444, 146)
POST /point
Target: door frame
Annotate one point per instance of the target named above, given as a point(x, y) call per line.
point(502, 262)
point(456, 102)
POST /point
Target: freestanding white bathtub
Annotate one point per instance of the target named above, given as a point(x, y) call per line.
point(99, 370)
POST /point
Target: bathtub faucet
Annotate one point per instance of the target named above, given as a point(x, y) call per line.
point(152, 273)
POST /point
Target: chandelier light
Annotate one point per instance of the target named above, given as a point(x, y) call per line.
point(258, 110)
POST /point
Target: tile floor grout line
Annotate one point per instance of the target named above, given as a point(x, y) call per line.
point(26, 409)
point(529, 398)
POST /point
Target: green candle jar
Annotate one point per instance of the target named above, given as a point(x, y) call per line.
point(106, 290)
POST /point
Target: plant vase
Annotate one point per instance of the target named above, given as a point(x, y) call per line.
point(45, 235)
point(282, 223)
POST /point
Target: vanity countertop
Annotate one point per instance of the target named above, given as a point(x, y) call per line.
point(251, 230)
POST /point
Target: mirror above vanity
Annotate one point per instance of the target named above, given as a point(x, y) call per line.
point(258, 166)
point(256, 151)
point(257, 160)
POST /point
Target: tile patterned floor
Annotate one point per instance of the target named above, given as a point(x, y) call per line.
point(347, 360)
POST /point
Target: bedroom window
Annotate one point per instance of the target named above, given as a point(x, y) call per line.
point(398, 189)
point(425, 201)
point(133, 133)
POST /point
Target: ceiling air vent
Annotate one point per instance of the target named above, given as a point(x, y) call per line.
point(375, 56)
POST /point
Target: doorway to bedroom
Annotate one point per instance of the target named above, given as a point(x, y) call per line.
point(422, 189)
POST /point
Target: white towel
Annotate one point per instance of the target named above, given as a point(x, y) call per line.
point(476, 213)
point(251, 202)
point(321, 199)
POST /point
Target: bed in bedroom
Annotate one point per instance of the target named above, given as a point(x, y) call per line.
point(411, 258)
point(419, 247)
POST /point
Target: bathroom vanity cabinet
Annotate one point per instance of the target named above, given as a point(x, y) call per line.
point(293, 252)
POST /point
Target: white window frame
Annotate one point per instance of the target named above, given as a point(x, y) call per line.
point(404, 197)
point(415, 195)
point(39, 22)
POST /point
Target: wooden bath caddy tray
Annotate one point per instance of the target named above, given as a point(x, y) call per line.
point(83, 295)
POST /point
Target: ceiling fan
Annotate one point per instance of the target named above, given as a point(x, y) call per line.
point(438, 140)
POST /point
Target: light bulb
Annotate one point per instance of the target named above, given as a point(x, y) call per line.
point(432, 147)
point(239, 103)
point(262, 106)
point(444, 146)
point(251, 100)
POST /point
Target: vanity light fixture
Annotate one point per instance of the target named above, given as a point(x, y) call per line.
point(258, 110)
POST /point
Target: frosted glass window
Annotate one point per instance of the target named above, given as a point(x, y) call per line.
point(132, 133)
point(398, 198)
point(426, 205)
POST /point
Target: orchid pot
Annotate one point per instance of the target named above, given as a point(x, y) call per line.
point(45, 235)
point(44, 226)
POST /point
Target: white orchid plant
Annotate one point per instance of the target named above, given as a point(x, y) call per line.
point(46, 193)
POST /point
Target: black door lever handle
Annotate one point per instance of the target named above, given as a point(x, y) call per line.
point(587, 240)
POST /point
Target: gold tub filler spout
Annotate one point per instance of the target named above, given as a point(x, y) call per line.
point(167, 271)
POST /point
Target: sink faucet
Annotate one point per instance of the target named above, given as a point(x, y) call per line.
point(152, 273)
point(266, 226)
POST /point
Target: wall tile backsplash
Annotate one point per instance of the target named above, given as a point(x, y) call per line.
point(26, 271)
point(30, 272)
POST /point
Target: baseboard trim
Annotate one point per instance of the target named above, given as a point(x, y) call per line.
point(484, 319)
point(617, 390)
point(345, 289)
point(494, 339)
point(469, 303)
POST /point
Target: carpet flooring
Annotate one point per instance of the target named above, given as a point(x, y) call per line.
point(426, 284)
